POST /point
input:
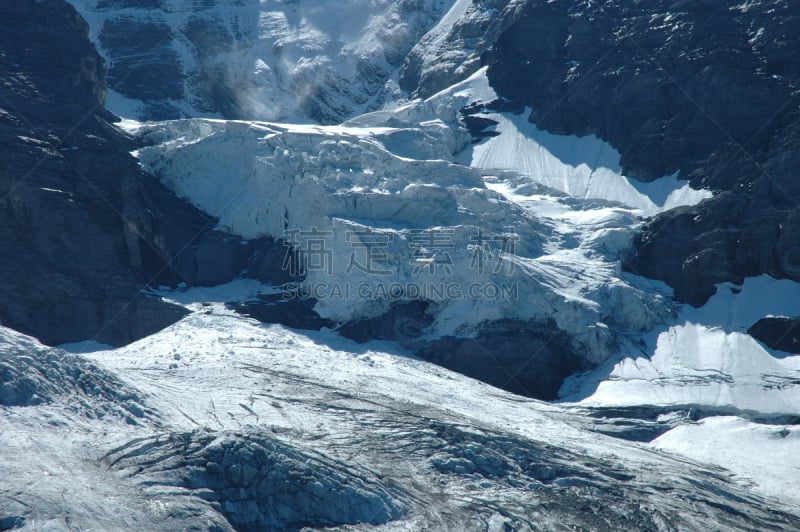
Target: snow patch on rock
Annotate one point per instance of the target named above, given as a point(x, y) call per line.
point(582, 167)
point(705, 358)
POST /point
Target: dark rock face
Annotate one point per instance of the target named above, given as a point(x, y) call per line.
point(443, 58)
point(778, 333)
point(65, 269)
point(647, 77)
point(146, 66)
point(185, 57)
point(404, 321)
point(12, 522)
point(530, 359)
point(479, 127)
point(77, 79)
point(709, 89)
point(82, 228)
point(292, 312)
point(150, 68)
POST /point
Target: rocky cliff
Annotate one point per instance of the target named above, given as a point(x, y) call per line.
point(706, 89)
point(256, 59)
point(82, 228)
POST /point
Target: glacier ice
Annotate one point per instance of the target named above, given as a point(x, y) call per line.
point(262, 427)
point(394, 174)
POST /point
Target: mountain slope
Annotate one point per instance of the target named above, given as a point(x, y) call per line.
point(391, 236)
point(279, 288)
point(299, 430)
point(73, 201)
point(254, 59)
point(708, 89)
point(83, 228)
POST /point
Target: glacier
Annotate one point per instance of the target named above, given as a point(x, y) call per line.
point(573, 211)
point(395, 173)
point(222, 422)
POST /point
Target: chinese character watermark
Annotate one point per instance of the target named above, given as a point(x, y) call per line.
point(493, 249)
point(430, 251)
point(431, 248)
point(307, 250)
point(370, 249)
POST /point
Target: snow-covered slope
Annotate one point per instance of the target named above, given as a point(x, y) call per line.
point(762, 455)
point(260, 59)
point(704, 364)
point(572, 212)
point(261, 427)
point(569, 211)
point(583, 167)
point(705, 359)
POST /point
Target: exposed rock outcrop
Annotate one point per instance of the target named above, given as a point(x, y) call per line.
point(33, 375)
point(82, 228)
point(778, 333)
point(530, 359)
point(254, 59)
point(452, 50)
point(260, 483)
point(706, 89)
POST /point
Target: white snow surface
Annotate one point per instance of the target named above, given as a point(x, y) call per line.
point(394, 172)
point(582, 167)
point(390, 174)
point(570, 211)
point(705, 367)
point(768, 456)
point(706, 359)
point(216, 373)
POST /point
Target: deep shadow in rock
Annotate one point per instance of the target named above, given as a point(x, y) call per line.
point(526, 358)
point(292, 312)
point(782, 334)
point(403, 321)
